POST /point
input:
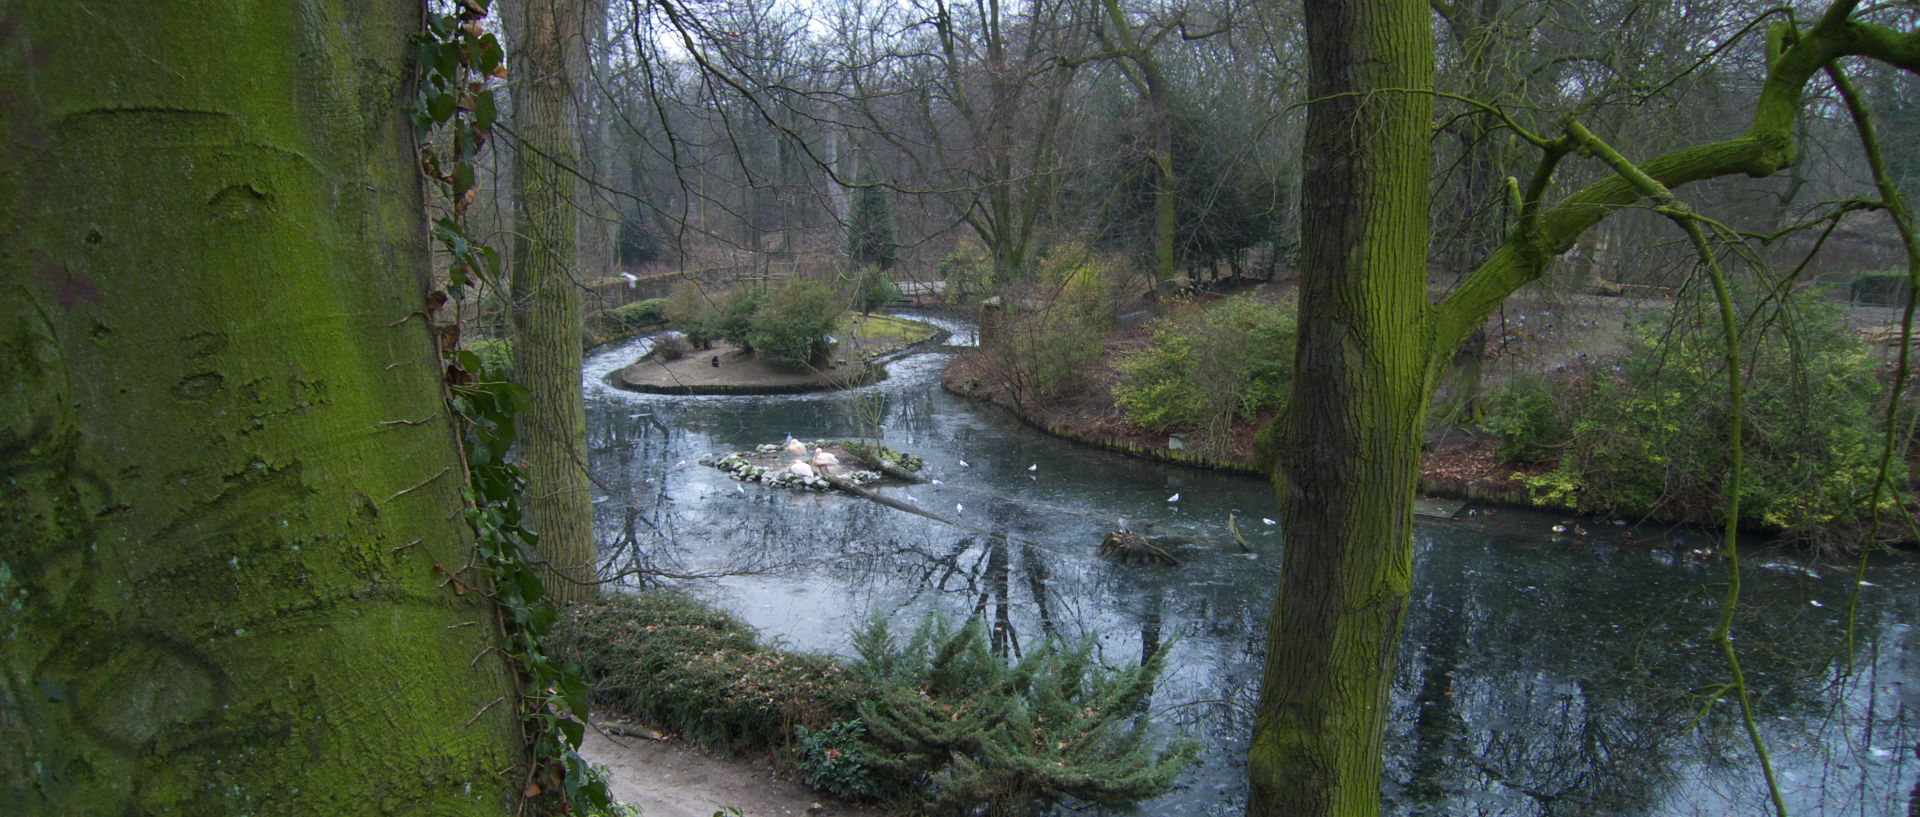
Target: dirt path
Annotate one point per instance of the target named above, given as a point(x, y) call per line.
point(670, 778)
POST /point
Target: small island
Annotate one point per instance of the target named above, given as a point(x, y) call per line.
point(854, 354)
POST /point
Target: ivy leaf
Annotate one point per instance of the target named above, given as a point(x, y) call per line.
point(490, 55)
point(574, 691)
point(440, 106)
point(575, 731)
point(485, 112)
point(462, 179)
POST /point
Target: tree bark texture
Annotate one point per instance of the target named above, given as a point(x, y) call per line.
point(549, 56)
point(229, 477)
point(1349, 452)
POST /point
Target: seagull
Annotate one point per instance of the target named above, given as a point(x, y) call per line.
point(1174, 498)
point(936, 482)
point(959, 508)
point(963, 464)
point(1034, 467)
point(1268, 521)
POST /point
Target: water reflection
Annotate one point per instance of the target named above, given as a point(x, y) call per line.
point(1538, 675)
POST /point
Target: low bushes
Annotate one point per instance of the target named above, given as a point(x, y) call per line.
point(630, 319)
point(1528, 416)
point(1050, 339)
point(874, 290)
point(791, 326)
point(1648, 434)
point(960, 730)
point(1208, 366)
point(788, 326)
point(688, 667)
point(936, 724)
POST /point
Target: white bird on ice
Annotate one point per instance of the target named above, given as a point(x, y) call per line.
point(1174, 498)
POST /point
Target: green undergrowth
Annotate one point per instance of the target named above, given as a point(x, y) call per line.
point(622, 321)
point(936, 723)
point(687, 667)
point(1209, 367)
point(1646, 434)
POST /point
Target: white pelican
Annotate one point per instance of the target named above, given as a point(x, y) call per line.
point(796, 447)
point(822, 459)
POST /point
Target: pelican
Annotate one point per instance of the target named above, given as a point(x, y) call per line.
point(801, 469)
point(796, 447)
point(822, 459)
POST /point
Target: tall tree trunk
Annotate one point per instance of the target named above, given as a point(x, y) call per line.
point(229, 472)
point(546, 297)
point(1349, 451)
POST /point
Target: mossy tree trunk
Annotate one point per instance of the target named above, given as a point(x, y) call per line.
point(549, 57)
point(1371, 346)
point(1347, 464)
point(229, 475)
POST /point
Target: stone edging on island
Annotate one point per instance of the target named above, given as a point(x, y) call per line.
point(870, 372)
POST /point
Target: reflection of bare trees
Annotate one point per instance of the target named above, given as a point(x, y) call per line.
point(1535, 681)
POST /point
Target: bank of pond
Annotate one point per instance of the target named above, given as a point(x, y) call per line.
point(1538, 673)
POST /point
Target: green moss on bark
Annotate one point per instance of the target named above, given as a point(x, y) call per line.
point(220, 543)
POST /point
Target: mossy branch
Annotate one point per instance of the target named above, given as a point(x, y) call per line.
point(1677, 211)
point(1766, 147)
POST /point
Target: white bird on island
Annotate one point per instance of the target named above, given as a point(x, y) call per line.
point(822, 459)
point(796, 447)
point(801, 469)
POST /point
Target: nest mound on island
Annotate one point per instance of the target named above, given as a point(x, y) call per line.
point(817, 465)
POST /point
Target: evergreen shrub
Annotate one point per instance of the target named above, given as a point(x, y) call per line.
point(1650, 436)
point(1527, 417)
point(1207, 365)
point(966, 731)
point(790, 327)
point(685, 666)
